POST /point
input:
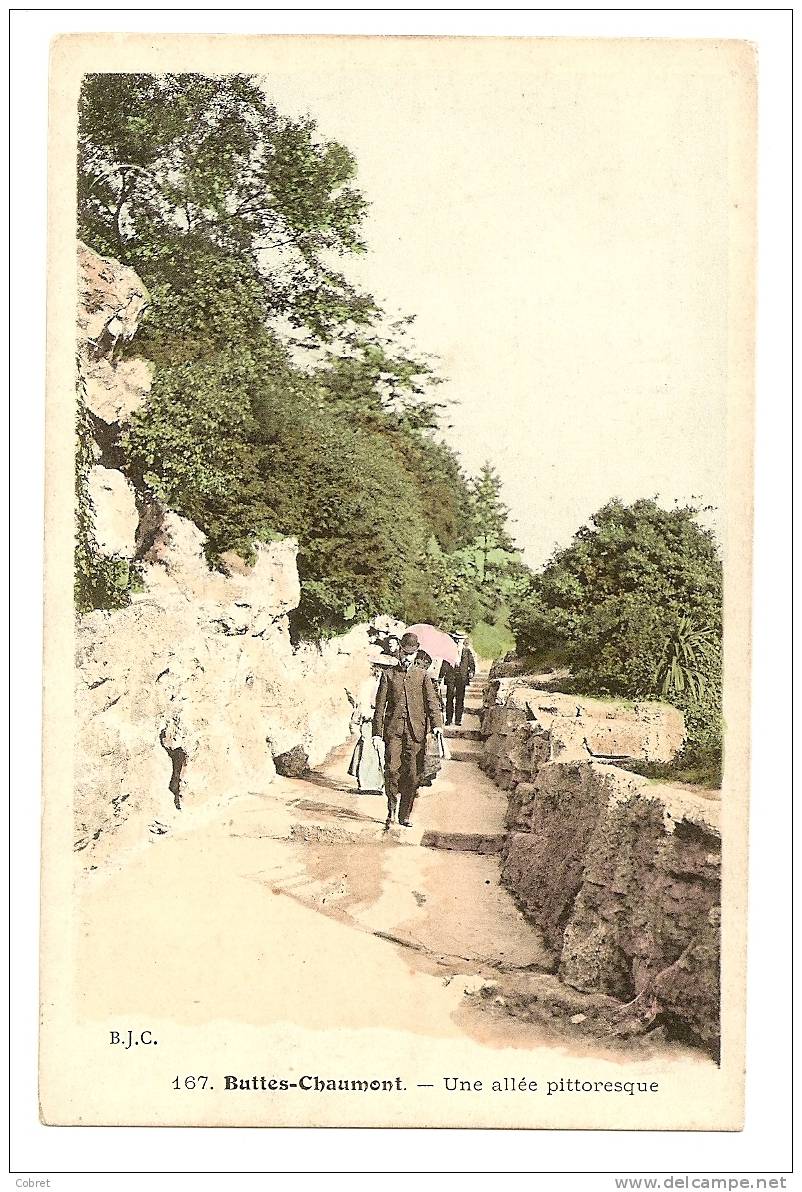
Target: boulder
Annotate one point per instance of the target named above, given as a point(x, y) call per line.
point(112, 300)
point(116, 516)
point(292, 764)
point(240, 597)
point(115, 391)
point(563, 727)
point(185, 696)
point(622, 876)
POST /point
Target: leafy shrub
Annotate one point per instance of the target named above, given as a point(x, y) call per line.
point(232, 214)
point(634, 607)
point(99, 581)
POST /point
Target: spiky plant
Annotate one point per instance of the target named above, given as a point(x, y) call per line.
point(686, 652)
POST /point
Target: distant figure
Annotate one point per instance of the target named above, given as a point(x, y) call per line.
point(423, 659)
point(367, 760)
point(406, 710)
point(457, 676)
point(392, 645)
point(431, 766)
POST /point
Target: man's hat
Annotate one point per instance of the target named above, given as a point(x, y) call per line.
point(459, 636)
point(410, 642)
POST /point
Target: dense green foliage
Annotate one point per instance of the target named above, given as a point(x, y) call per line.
point(99, 581)
point(634, 607)
point(472, 583)
point(175, 162)
point(284, 402)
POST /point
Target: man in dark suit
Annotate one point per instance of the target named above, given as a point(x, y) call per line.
point(407, 708)
point(457, 676)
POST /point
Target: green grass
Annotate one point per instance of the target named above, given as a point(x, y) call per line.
point(694, 768)
point(492, 641)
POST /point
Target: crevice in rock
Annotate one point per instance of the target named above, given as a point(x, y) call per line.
point(227, 628)
point(178, 757)
point(151, 516)
point(107, 438)
point(677, 1030)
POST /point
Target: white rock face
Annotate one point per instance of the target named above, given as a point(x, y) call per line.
point(116, 516)
point(525, 727)
point(111, 302)
point(116, 391)
point(110, 297)
point(176, 568)
point(186, 696)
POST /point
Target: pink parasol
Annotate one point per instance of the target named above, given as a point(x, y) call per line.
point(435, 642)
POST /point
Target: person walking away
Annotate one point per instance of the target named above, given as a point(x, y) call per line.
point(445, 680)
point(431, 666)
point(457, 676)
point(407, 708)
point(367, 760)
point(431, 762)
point(391, 645)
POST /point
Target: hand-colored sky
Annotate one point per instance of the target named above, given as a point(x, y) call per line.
point(556, 216)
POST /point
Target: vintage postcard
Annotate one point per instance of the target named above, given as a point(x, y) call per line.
point(398, 563)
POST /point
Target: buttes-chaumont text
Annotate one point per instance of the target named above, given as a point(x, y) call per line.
point(451, 1084)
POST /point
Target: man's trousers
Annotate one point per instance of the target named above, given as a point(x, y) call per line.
point(455, 698)
point(403, 768)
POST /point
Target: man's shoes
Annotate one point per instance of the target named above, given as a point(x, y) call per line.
point(389, 825)
point(406, 823)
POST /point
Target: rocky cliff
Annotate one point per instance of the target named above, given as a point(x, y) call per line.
point(194, 691)
point(621, 875)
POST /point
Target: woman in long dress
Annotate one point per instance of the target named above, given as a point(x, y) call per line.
point(367, 760)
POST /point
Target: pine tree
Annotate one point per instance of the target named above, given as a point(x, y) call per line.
point(490, 518)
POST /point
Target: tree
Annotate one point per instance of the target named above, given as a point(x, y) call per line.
point(634, 607)
point(164, 159)
point(489, 516)
point(357, 516)
point(491, 551)
point(235, 216)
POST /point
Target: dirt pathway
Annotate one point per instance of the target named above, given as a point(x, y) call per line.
point(433, 888)
point(296, 905)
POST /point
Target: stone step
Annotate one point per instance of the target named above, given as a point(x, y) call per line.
point(462, 733)
point(466, 755)
point(464, 842)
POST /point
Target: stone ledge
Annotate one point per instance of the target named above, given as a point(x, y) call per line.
point(464, 842)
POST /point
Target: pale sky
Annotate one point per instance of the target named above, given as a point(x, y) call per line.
point(556, 215)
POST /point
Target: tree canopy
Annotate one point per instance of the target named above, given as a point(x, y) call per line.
point(634, 607)
point(178, 160)
point(285, 401)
